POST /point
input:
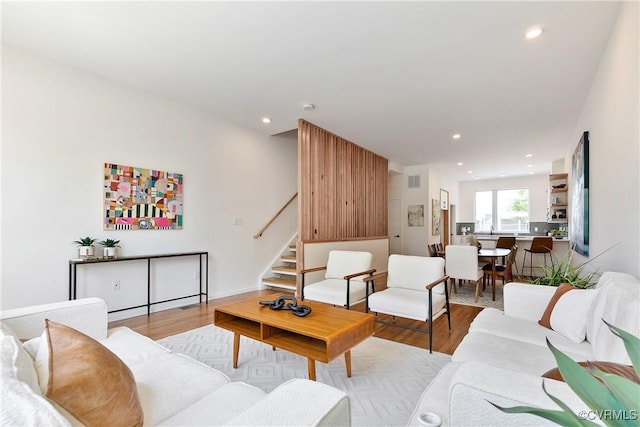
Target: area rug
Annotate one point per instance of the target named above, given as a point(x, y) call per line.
point(387, 379)
point(467, 293)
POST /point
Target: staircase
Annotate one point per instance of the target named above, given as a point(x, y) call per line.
point(283, 272)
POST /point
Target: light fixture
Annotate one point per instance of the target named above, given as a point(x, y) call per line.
point(533, 32)
point(469, 171)
point(266, 120)
point(476, 177)
point(503, 175)
point(460, 163)
point(530, 165)
point(308, 107)
point(528, 155)
point(456, 136)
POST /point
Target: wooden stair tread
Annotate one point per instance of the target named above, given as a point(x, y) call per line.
point(283, 269)
point(288, 258)
point(280, 281)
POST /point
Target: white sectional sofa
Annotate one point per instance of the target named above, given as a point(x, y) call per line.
point(172, 388)
point(504, 355)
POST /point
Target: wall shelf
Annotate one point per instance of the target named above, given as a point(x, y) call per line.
point(558, 199)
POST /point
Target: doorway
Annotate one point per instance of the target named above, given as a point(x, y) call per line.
point(394, 221)
point(445, 228)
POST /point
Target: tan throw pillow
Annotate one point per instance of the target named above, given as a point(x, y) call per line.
point(546, 316)
point(619, 369)
point(89, 381)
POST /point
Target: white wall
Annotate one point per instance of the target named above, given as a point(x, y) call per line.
point(438, 180)
point(61, 125)
point(538, 186)
point(611, 115)
point(415, 239)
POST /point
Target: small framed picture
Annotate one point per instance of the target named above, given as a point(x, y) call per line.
point(444, 200)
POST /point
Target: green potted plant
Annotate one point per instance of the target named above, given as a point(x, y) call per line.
point(85, 246)
point(109, 247)
point(610, 394)
point(565, 271)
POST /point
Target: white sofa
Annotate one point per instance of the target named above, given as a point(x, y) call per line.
point(504, 355)
point(172, 388)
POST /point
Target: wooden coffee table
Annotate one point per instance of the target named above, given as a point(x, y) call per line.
point(323, 335)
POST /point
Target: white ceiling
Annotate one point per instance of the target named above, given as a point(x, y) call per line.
point(398, 78)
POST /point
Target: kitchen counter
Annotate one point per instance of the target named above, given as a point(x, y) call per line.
point(524, 238)
point(559, 250)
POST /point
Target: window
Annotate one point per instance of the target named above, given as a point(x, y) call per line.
point(504, 211)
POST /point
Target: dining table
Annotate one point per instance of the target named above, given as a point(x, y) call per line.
point(493, 254)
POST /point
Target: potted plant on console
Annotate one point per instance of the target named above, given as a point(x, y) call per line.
point(85, 246)
point(109, 247)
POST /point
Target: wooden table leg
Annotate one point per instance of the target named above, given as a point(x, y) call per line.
point(347, 362)
point(493, 276)
point(312, 368)
point(236, 348)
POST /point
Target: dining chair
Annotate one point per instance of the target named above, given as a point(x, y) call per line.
point(461, 262)
point(416, 289)
point(505, 242)
point(343, 282)
point(504, 271)
point(432, 250)
point(539, 245)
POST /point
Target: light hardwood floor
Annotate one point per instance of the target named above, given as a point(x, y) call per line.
point(174, 321)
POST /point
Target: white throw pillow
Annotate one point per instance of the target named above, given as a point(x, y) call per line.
point(22, 365)
point(21, 405)
point(31, 346)
point(569, 316)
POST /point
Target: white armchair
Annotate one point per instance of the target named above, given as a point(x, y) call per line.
point(416, 289)
point(343, 282)
point(462, 264)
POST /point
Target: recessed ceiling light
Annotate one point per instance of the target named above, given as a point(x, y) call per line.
point(531, 173)
point(533, 32)
point(530, 165)
point(528, 155)
point(469, 171)
point(502, 176)
point(476, 177)
point(308, 107)
point(460, 163)
point(456, 136)
point(266, 120)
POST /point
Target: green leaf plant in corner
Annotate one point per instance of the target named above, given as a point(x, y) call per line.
point(565, 271)
point(613, 398)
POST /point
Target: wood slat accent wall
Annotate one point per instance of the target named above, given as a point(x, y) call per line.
point(342, 187)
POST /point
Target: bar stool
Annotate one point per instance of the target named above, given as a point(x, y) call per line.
point(507, 243)
point(539, 245)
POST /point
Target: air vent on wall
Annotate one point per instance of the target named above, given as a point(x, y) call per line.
point(414, 181)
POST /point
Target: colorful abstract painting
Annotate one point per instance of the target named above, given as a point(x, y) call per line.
point(141, 199)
